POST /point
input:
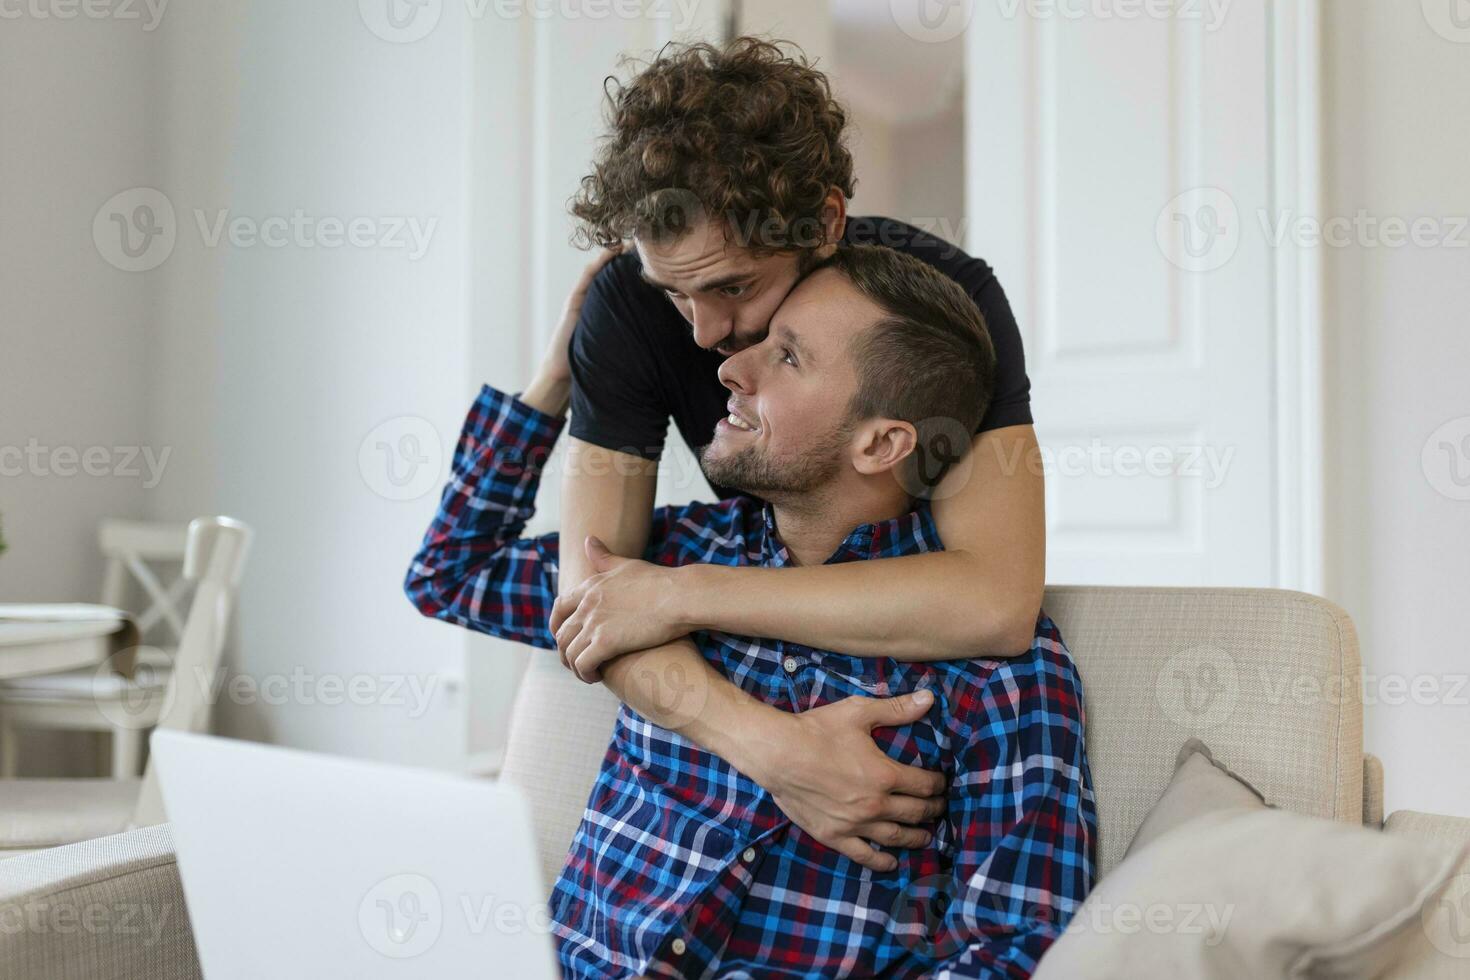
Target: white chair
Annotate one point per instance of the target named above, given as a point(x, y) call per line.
point(40, 813)
point(83, 700)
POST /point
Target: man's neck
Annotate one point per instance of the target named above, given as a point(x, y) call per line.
point(813, 525)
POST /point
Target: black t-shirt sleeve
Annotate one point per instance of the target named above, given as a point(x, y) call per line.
point(617, 402)
point(1010, 404)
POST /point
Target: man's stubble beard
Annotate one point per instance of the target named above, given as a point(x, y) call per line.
point(753, 470)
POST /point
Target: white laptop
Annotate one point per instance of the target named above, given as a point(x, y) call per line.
point(303, 865)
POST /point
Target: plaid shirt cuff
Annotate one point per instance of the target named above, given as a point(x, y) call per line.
point(521, 436)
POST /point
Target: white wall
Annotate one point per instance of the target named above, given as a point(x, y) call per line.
point(1398, 361)
point(78, 110)
point(278, 365)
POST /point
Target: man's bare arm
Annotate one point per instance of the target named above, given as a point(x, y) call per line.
point(979, 597)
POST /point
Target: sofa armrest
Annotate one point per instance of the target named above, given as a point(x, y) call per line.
point(1441, 945)
point(104, 909)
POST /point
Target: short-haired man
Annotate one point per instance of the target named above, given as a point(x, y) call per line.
point(726, 168)
point(684, 866)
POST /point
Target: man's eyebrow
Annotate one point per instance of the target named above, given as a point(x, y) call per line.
point(734, 279)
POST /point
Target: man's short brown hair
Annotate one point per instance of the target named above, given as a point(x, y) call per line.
point(929, 360)
point(747, 132)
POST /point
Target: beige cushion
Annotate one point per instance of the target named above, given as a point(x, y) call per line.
point(1221, 886)
point(38, 813)
point(1196, 789)
point(1440, 949)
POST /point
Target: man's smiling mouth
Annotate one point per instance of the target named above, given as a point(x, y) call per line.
point(736, 422)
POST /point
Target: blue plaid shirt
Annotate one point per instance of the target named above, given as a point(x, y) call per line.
point(682, 866)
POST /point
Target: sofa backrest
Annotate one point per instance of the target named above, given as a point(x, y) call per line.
point(1270, 680)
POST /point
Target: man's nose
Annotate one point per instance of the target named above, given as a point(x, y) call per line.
point(711, 327)
point(737, 372)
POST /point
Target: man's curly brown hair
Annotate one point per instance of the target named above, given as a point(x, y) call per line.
point(748, 131)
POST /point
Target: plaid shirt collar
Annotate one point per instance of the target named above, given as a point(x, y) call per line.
point(909, 534)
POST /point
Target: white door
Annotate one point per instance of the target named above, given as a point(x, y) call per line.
point(1119, 170)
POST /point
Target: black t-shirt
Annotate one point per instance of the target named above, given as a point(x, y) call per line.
point(635, 364)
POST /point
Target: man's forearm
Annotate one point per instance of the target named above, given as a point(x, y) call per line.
point(671, 685)
point(675, 687)
point(866, 608)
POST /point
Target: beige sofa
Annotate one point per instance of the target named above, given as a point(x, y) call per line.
point(1270, 680)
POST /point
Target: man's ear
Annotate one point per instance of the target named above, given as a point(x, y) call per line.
point(834, 216)
point(879, 445)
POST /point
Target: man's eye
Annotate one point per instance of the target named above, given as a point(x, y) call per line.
point(787, 357)
point(673, 295)
point(733, 292)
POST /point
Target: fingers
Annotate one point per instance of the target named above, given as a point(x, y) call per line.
point(865, 854)
point(893, 835)
point(590, 271)
point(577, 659)
point(913, 781)
point(560, 610)
point(892, 712)
point(566, 634)
point(913, 810)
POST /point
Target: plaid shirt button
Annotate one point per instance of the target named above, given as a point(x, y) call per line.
point(678, 946)
point(749, 855)
point(790, 664)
